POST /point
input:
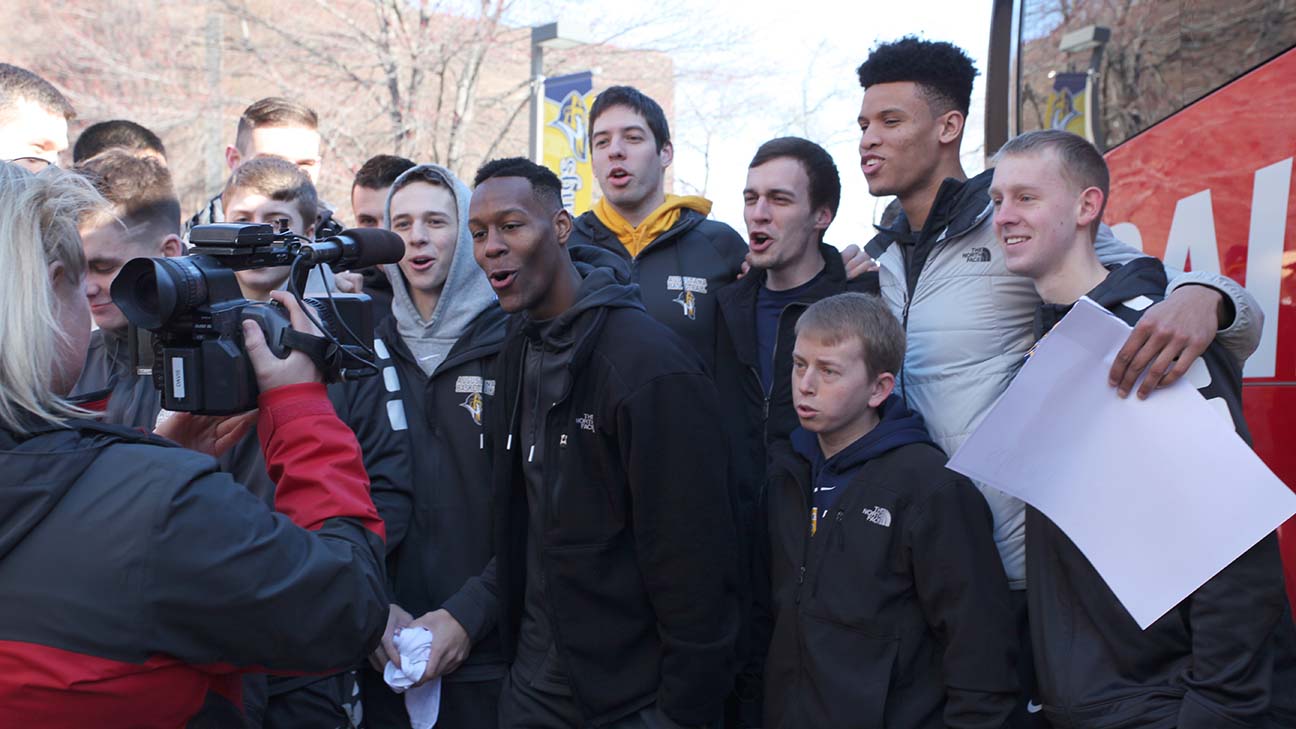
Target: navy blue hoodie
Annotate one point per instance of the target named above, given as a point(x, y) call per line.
point(898, 425)
point(896, 612)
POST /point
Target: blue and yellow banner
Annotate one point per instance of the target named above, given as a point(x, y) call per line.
point(1068, 105)
point(567, 100)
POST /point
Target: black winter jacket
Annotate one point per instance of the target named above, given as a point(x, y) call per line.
point(755, 417)
point(1224, 657)
point(638, 551)
point(135, 577)
point(895, 614)
point(679, 273)
point(441, 540)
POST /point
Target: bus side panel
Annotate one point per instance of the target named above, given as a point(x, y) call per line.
point(1211, 187)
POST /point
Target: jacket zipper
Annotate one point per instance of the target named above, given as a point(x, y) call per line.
point(832, 537)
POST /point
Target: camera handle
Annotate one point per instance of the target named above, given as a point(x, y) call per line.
point(282, 339)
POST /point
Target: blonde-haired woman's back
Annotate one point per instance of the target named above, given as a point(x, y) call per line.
point(136, 580)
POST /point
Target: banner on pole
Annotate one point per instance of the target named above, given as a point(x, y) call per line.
point(567, 100)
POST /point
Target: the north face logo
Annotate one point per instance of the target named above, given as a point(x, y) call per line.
point(586, 422)
point(977, 255)
point(878, 515)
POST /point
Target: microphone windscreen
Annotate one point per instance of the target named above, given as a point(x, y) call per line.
point(377, 246)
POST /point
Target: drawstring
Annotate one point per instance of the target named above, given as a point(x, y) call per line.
point(535, 409)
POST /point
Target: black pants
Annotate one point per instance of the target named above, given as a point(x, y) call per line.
point(1027, 715)
point(523, 707)
point(464, 704)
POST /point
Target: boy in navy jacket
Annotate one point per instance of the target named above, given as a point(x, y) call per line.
point(890, 602)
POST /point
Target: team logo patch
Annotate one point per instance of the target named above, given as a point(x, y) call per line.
point(977, 255)
point(879, 515)
point(688, 302)
point(473, 404)
point(690, 287)
point(474, 388)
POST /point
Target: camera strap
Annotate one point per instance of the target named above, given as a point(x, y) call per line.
point(325, 353)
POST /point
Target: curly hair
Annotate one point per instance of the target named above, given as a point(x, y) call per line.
point(942, 70)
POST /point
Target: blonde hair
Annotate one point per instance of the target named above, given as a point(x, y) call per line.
point(39, 214)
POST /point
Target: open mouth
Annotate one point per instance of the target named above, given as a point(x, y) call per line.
point(870, 163)
point(502, 279)
point(421, 263)
point(806, 412)
point(619, 177)
point(759, 242)
point(1012, 240)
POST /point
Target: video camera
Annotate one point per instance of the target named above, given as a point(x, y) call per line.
point(194, 307)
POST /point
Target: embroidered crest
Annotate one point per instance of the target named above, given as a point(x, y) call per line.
point(473, 404)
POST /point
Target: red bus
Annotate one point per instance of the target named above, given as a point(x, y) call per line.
point(1194, 104)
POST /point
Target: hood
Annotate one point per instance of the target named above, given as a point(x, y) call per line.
point(898, 426)
point(606, 282)
point(1140, 277)
point(659, 222)
point(38, 473)
point(466, 294)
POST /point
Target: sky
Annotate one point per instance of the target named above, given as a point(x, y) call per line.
point(796, 55)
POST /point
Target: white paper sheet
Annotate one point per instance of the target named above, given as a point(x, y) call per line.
point(1160, 494)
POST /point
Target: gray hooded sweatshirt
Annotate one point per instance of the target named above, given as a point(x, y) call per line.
point(466, 294)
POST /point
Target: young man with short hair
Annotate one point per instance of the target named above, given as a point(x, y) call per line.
point(144, 220)
point(440, 344)
point(276, 192)
point(368, 205)
point(281, 128)
point(614, 520)
point(891, 606)
point(370, 187)
point(118, 134)
point(791, 198)
point(271, 191)
point(34, 119)
point(1223, 656)
point(678, 256)
point(968, 318)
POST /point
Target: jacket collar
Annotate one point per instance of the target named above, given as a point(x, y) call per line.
point(738, 300)
point(598, 234)
point(959, 208)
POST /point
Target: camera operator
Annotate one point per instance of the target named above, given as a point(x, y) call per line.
point(134, 576)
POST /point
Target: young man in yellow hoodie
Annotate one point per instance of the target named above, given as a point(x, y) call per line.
point(679, 258)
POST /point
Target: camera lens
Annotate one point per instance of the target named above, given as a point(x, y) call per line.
point(153, 291)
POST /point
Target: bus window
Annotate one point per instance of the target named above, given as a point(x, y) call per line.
point(1160, 57)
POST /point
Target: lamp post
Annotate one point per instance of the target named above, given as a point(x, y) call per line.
point(542, 37)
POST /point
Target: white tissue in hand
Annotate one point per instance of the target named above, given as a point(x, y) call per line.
point(414, 645)
point(423, 704)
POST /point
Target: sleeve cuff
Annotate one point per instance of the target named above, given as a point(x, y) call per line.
point(1212, 281)
point(471, 611)
point(290, 402)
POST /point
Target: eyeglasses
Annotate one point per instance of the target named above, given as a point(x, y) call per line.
point(32, 164)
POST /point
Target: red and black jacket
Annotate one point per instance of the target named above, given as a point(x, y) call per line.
point(135, 577)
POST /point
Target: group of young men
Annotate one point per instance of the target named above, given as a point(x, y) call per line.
point(637, 471)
